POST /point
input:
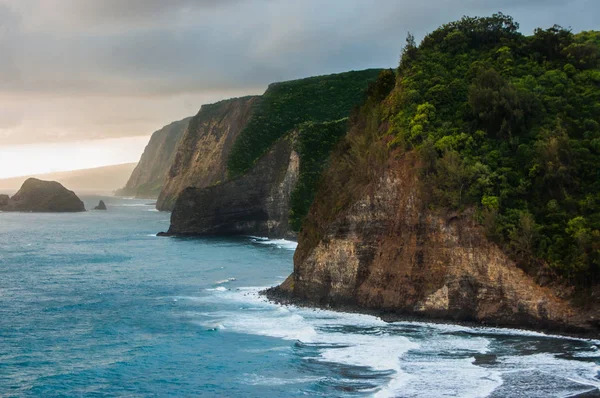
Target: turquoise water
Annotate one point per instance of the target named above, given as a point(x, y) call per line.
point(94, 304)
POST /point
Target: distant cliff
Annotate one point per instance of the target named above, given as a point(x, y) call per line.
point(251, 165)
point(256, 203)
point(200, 159)
point(100, 180)
point(148, 177)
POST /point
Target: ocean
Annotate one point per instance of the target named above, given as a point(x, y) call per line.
point(94, 304)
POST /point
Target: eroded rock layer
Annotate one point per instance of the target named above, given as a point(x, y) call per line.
point(201, 156)
point(389, 252)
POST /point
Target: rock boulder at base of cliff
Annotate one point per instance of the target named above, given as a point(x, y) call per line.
point(101, 206)
point(42, 196)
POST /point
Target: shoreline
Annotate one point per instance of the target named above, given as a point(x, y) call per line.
point(277, 295)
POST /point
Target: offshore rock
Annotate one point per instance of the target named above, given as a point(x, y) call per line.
point(101, 206)
point(42, 196)
point(256, 203)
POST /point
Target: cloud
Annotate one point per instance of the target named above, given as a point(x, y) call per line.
point(88, 68)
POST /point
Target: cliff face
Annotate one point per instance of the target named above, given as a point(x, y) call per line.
point(256, 203)
point(42, 196)
point(201, 156)
point(389, 252)
point(149, 175)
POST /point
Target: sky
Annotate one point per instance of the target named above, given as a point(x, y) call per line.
point(83, 83)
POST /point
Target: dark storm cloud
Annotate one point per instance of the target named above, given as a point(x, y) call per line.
point(158, 50)
point(163, 47)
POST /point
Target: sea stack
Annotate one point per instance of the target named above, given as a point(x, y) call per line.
point(43, 197)
point(101, 206)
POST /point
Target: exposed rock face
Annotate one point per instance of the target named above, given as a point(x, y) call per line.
point(201, 156)
point(256, 203)
point(101, 206)
point(42, 196)
point(390, 253)
point(149, 175)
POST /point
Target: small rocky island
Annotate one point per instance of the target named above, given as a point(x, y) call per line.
point(42, 197)
point(101, 206)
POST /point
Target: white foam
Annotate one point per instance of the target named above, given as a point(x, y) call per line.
point(438, 360)
point(449, 377)
point(453, 328)
point(592, 353)
point(255, 238)
point(279, 243)
point(210, 326)
point(258, 380)
point(216, 289)
point(380, 352)
point(224, 281)
point(580, 372)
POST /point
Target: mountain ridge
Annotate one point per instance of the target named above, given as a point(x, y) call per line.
point(102, 180)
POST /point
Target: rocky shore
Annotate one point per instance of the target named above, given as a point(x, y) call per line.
point(388, 254)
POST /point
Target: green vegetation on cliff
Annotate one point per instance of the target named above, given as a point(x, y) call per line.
point(317, 141)
point(509, 124)
point(506, 124)
point(314, 145)
point(286, 105)
point(501, 122)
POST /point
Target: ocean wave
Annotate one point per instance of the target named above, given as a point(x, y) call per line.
point(279, 243)
point(410, 358)
point(258, 380)
point(491, 331)
point(224, 281)
point(380, 352)
point(216, 289)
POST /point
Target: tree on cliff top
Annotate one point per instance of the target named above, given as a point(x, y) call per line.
point(503, 123)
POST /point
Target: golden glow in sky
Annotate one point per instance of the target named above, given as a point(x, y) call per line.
point(21, 160)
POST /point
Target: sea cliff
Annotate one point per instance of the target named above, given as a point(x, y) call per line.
point(201, 157)
point(390, 254)
point(256, 203)
point(149, 175)
point(466, 188)
point(237, 169)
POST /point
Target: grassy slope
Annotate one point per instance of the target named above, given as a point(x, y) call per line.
point(288, 104)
